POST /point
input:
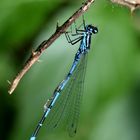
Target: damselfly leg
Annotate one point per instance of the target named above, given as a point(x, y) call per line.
point(78, 32)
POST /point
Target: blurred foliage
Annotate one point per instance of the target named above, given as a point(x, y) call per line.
point(111, 102)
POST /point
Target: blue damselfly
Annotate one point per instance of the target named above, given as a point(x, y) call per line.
point(64, 104)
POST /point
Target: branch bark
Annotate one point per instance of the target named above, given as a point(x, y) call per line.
point(45, 44)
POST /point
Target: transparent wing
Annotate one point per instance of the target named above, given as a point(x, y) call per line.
point(76, 91)
point(65, 111)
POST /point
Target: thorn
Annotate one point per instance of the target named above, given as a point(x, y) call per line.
point(33, 53)
point(57, 25)
point(9, 82)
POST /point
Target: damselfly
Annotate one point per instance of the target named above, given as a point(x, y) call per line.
point(64, 104)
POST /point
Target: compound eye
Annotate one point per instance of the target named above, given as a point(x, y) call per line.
point(95, 30)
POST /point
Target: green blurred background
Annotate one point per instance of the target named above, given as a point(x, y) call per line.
point(111, 101)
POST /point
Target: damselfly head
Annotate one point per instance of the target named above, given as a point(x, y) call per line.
point(92, 29)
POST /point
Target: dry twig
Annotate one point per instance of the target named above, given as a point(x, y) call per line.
point(45, 44)
point(132, 4)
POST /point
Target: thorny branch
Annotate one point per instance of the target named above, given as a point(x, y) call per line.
point(45, 44)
